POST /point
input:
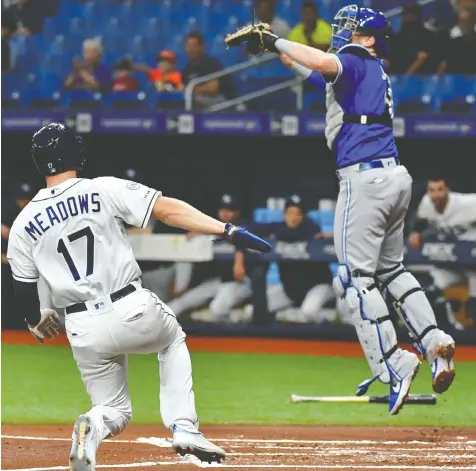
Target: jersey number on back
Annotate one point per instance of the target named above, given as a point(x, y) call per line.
point(62, 249)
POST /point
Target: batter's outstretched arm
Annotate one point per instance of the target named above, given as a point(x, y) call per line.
point(309, 57)
point(177, 213)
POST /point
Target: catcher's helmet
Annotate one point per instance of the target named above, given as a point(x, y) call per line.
point(56, 149)
point(366, 21)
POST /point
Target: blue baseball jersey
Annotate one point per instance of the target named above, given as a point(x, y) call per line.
point(361, 87)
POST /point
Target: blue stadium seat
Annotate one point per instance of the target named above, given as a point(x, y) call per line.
point(260, 215)
point(81, 100)
point(327, 218)
point(49, 82)
point(265, 215)
point(274, 215)
point(315, 216)
point(166, 100)
point(333, 268)
point(126, 100)
point(273, 276)
point(11, 90)
point(408, 94)
point(41, 99)
point(455, 94)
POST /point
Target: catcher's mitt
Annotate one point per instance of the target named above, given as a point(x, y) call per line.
point(254, 36)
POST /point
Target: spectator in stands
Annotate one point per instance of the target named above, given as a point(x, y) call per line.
point(313, 31)
point(413, 48)
point(28, 16)
point(465, 22)
point(88, 72)
point(200, 64)
point(165, 77)
point(459, 55)
point(307, 286)
point(123, 79)
point(8, 28)
point(266, 12)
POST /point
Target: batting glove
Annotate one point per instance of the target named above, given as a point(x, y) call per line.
point(243, 239)
point(47, 327)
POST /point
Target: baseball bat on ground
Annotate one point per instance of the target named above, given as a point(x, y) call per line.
point(417, 399)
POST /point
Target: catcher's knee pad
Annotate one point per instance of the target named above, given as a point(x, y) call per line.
point(363, 302)
point(414, 308)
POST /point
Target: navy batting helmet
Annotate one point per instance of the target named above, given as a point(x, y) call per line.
point(365, 21)
point(56, 149)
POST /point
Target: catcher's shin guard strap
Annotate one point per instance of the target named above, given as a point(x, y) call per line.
point(412, 305)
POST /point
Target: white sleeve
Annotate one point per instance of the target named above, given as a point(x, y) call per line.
point(20, 257)
point(423, 208)
point(131, 201)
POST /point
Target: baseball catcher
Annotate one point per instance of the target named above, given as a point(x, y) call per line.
point(375, 192)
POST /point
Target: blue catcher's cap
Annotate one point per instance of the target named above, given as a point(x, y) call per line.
point(228, 201)
point(24, 190)
point(365, 21)
point(296, 201)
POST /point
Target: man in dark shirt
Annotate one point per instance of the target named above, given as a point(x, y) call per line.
point(459, 55)
point(200, 64)
point(413, 47)
point(28, 15)
point(224, 283)
point(306, 285)
point(8, 28)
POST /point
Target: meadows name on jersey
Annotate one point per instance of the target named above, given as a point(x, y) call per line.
point(61, 211)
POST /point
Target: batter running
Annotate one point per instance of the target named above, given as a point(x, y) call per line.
point(72, 234)
point(375, 192)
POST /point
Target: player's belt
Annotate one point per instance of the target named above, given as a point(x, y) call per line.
point(122, 293)
point(384, 162)
point(384, 119)
point(379, 164)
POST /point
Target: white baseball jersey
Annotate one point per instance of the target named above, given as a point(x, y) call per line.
point(73, 236)
point(458, 219)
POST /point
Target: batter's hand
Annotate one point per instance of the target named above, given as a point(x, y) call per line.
point(47, 327)
point(243, 239)
point(415, 240)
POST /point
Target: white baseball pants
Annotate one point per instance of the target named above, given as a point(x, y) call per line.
point(101, 339)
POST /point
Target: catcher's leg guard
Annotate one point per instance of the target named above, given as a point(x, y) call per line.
point(415, 310)
point(363, 301)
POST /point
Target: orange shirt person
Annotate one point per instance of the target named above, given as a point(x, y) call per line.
point(165, 77)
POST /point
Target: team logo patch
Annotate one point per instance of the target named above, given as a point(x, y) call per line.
point(133, 186)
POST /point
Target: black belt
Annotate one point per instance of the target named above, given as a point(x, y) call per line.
point(122, 293)
point(384, 119)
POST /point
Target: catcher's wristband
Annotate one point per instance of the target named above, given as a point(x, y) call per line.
point(269, 41)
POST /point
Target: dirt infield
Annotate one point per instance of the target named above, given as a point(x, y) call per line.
point(46, 448)
point(251, 345)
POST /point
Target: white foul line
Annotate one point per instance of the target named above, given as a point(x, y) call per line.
point(167, 442)
point(262, 466)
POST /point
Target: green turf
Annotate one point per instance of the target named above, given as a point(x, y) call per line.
point(41, 384)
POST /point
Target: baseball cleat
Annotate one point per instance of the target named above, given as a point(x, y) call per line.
point(399, 392)
point(189, 443)
point(443, 368)
point(83, 449)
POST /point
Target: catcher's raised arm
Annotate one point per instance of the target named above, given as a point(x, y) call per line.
point(260, 38)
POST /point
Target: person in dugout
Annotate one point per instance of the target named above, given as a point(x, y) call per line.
point(223, 284)
point(305, 285)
